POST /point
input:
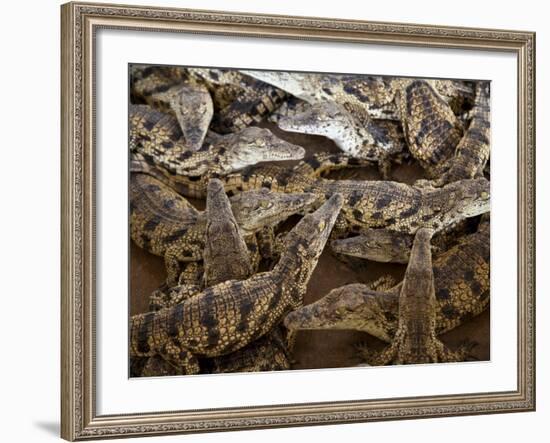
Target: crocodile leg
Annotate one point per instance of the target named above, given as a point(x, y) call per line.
point(192, 274)
point(266, 242)
point(416, 341)
point(184, 362)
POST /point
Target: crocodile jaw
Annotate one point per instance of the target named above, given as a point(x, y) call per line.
point(256, 209)
point(349, 307)
point(255, 145)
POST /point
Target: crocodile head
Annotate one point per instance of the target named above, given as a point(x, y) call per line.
point(462, 199)
point(380, 245)
point(304, 244)
point(301, 85)
point(325, 118)
point(308, 238)
point(331, 120)
point(350, 307)
point(194, 110)
point(255, 209)
point(255, 145)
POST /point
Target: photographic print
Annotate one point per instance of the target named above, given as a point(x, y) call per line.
point(301, 202)
point(302, 220)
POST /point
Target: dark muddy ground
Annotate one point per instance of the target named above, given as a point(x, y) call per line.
point(321, 349)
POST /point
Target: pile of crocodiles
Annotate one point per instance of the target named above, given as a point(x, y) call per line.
point(241, 214)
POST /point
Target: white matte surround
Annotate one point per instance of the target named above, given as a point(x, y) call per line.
point(118, 394)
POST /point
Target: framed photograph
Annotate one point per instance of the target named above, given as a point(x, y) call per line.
point(277, 221)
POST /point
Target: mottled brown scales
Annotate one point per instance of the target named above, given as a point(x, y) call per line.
point(217, 316)
point(275, 177)
point(388, 246)
point(268, 353)
point(352, 131)
point(157, 137)
point(368, 204)
point(230, 315)
point(372, 94)
point(404, 208)
point(380, 245)
point(431, 128)
point(461, 281)
point(226, 257)
point(415, 340)
point(225, 253)
point(165, 224)
point(238, 100)
point(473, 149)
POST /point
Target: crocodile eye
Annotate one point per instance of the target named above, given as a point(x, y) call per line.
point(266, 204)
point(484, 194)
point(322, 225)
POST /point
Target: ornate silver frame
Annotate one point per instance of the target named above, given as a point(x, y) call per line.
point(79, 420)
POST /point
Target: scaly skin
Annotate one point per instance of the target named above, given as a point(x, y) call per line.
point(353, 132)
point(157, 137)
point(165, 224)
point(404, 208)
point(431, 128)
point(374, 95)
point(268, 353)
point(368, 204)
point(380, 245)
point(171, 91)
point(225, 253)
point(387, 246)
point(372, 204)
point(461, 279)
point(275, 177)
point(238, 100)
point(226, 257)
point(473, 150)
point(230, 315)
point(415, 340)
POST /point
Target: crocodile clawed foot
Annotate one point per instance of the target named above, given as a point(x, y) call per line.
point(465, 349)
point(383, 283)
point(461, 354)
point(424, 183)
point(366, 354)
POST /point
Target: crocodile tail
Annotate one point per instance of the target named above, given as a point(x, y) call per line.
point(473, 150)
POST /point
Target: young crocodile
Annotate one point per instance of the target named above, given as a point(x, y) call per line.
point(225, 258)
point(190, 102)
point(404, 208)
point(158, 138)
point(353, 132)
point(415, 340)
point(374, 95)
point(230, 315)
point(386, 246)
point(238, 99)
point(431, 128)
point(461, 279)
point(275, 177)
point(473, 149)
point(165, 224)
point(225, 253)
point(368, 204)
